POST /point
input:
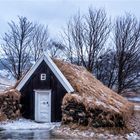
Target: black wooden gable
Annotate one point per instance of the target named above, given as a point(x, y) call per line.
point(55, 82)
point(51, 83)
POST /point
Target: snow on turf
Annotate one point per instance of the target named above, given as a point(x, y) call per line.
point(25, 124)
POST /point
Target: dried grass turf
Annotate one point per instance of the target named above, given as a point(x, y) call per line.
point(9, 105)
point(92, 103)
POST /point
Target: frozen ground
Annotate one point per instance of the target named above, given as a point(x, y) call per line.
point(28, 129)
point(77, 134)
point(24, 129)
point(92, 134)
point(132, 136)
point(24, 124)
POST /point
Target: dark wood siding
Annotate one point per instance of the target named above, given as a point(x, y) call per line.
point(34, 83)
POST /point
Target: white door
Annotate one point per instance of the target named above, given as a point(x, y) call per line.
point(43, 105)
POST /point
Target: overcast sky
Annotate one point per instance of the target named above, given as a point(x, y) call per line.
point(55, 13)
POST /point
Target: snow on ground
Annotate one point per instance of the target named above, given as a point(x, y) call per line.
point(137, 107)
point(3, 87)
point(73, 133)
point(6, 73)
point(134, 99)
point(6, 80)
point(76, 134)
point(132, 136)
point(24, 124)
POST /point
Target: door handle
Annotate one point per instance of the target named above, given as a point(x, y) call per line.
point(46, 103)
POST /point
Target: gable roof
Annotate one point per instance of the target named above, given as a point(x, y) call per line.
point(54, 69)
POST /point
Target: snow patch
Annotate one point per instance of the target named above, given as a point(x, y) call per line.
point(135, 99)
point(137, 107)
point(6, 80)
point(66, 131)
point(133, 136)
point(24, 124)
point(6, 75)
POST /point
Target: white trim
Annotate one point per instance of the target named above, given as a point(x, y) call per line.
point(54, 69)
point(37, 95)
point(41, 90)
point(36, 105)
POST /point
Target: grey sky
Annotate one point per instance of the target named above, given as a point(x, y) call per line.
point(55, 13)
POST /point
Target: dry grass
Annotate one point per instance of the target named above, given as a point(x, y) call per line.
point(9, 105)
point(92, 93)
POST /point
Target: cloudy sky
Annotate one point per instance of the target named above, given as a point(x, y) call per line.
point(55, 13)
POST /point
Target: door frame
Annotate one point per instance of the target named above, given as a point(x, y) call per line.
point(37, 92)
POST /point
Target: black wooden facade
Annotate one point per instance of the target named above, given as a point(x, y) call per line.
point(34, 83)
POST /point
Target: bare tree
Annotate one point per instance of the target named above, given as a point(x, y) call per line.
point(40, 41)
point(97, 29)
point(127, 44)
point(72, 39)
point(55, 48)
point(16, 49)
point(105, 68)
point(86, 36)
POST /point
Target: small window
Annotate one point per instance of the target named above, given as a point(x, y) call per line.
point(43, 77)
